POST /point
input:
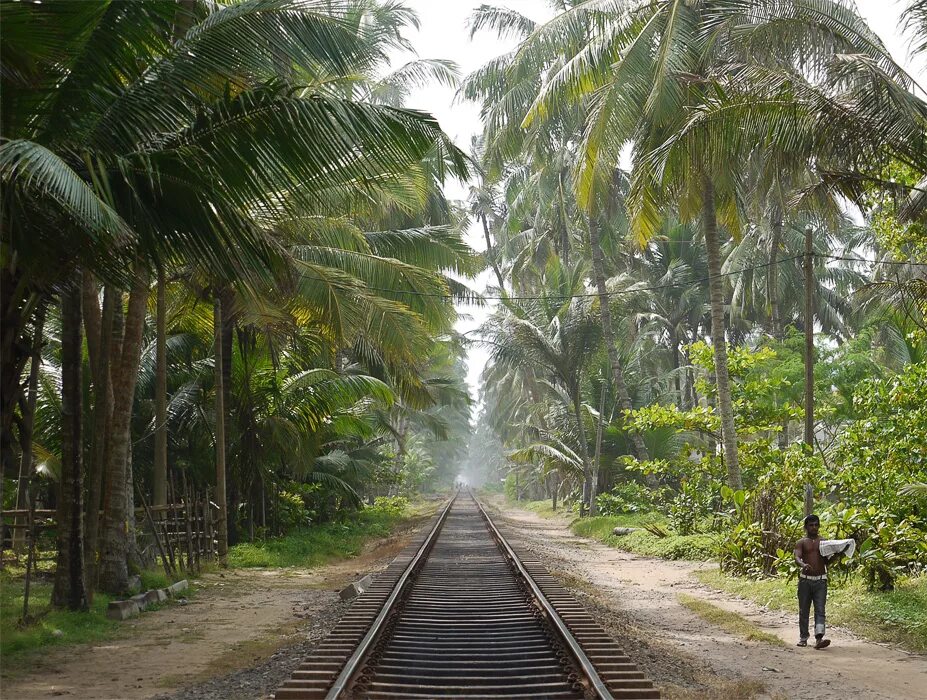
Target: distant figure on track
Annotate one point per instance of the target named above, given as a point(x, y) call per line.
point(812, 582)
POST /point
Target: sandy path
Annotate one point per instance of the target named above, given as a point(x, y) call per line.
point(644, 591)
point(235, 620)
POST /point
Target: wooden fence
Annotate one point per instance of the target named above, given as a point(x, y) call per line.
point(180, 536)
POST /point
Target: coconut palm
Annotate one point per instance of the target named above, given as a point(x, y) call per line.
point(177, 138)
point(645, 68)
point(552, 337)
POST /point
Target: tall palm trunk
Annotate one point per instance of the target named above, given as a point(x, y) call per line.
point(608, 335)
point(677, 371)
point(114, 575)
point(159, 495)
point(25, 438)
point(773, 288)
point(99, 327)
point(491, 253)
point(583, 448)
point(722, 379)
point(223, 536)
point(597, 461)
point(70, 588)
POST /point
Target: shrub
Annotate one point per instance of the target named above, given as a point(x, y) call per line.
point(626, 497)
point(393, 506)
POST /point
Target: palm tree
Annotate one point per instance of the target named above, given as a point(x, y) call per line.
point(70, 588)
point(173, 158)
point(554, 338)
point(645, 69)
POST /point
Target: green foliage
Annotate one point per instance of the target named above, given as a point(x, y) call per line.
point(692, 547)
point(391, 506)
point(51, 627)
point(292, 507)
point(625, 497)
point(885, 448)
point(318, 544)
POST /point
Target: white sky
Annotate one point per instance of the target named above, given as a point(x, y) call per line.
point(444, 34)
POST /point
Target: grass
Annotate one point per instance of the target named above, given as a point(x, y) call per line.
point(731, 622)
point(898, 617)
point(695, 547)
point(542, 508)
point(320, 544)
point(50, 627)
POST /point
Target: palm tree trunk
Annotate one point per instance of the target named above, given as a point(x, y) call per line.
point(159, 480)
point(722, 379)
point(100, 350)
point(70, 588)
point(597, 462)
point(608, 335)
point(25, 438)
point(114, 575)
point(680, 392)
point(583, 448)
point(223, 536)
point(773, 288)
point(491, 253)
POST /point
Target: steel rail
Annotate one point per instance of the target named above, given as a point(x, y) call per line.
point(359, 657)
point(579, 656)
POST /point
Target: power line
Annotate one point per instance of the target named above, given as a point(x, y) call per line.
point(634, 290)
point(910, 263)
point(590, 295)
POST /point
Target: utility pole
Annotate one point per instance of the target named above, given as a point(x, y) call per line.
point(809, 360)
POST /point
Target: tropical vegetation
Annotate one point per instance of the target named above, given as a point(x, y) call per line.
point(706, 223)
point(228, 268)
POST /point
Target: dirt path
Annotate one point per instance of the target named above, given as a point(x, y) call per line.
point(640, 595)
point(240, 635)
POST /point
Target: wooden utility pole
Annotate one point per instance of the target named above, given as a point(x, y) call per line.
point(809, 360)
point(222, 525)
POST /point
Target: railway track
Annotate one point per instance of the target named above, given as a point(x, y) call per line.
point(460, 614)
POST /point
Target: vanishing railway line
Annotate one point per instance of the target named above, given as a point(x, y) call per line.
point(460, 614)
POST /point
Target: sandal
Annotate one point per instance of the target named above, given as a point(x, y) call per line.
point(822, 644)
point(802, 643)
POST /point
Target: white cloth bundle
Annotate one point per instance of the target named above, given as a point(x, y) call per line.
point(829, 548)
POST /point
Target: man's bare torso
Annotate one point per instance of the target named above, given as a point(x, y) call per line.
point(811, 555)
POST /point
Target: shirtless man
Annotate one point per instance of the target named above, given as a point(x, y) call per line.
point(812, 583)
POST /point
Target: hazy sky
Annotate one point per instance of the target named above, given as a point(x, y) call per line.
point(444, 34)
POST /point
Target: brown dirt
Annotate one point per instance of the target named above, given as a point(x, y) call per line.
point(261, 620)
point(636, 599)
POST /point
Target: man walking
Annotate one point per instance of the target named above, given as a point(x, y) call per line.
point(812, 583)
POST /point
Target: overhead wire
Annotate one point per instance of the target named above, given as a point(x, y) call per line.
point(635, 290)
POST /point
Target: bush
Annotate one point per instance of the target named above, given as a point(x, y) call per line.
point(392, 506)
point(626, 497)
point(694, 547)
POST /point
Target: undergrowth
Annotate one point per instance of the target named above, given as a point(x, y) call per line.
point(700, 547)
point(319, 544)
point(899, 616)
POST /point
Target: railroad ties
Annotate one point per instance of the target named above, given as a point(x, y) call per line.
point(460, 614)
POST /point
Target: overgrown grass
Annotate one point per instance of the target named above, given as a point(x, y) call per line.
point(731, 622)
point(899, 617)
point(316, 545)
point(542, 508)
point(49, 627)
point(696, 547)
